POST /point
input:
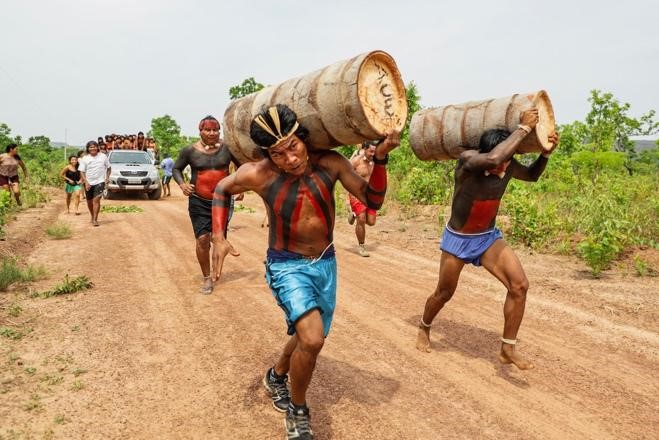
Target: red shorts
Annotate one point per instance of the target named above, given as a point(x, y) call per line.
point(7, 180)
point(358, 208)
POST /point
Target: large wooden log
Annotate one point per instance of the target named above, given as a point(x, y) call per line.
point(443, 133)
point(345, 103)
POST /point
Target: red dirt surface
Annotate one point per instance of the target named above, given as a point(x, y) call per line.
point(143, 355)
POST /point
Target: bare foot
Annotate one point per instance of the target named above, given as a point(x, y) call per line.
point(423, 339)
point(507, 355)
point(95, 223)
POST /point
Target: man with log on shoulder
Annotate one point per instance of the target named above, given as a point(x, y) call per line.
point(471, 237)
point(297, 186)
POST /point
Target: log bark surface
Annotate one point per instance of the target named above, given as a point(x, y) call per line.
point(443, 133)
point(345, 103)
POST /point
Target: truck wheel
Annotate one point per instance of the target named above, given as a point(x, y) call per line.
point(156, 193)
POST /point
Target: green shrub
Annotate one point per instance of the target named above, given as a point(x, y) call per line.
point(69, 286)
point(10, 273)
point(59, 231)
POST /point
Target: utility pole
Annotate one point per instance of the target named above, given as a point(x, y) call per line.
point(65, 144)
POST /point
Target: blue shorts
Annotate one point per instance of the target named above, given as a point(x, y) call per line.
point(300, 285)
point(469, 247)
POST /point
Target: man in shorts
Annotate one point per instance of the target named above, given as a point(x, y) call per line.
point(209, 160)
point(359, 212)
point(95, 171)
point(167, 166)
point(471, 235)
point(297, 187)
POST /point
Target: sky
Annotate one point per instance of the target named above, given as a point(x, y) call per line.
point(74, 70)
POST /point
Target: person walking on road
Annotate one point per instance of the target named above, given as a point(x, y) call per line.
point(95, 172)
point(73, 184)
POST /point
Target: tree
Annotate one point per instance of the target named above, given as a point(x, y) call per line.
point(40, 142)
point(5, 137)
point(167, 133)
point(611, 127)
point(248, 86)
point(607, 127)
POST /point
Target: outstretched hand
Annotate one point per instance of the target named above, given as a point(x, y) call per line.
point(221, 247)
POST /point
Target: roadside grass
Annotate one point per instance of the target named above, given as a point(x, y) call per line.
point(11, 273)
point(121, 208)
point(68, 285)
point(59, 231)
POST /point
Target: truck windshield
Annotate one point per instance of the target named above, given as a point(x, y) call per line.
point(126, 157)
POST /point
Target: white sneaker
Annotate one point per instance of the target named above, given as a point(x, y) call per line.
point(362, 251)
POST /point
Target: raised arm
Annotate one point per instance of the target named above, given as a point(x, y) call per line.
point(533, 172)
point(475, 161)
point(372, 192)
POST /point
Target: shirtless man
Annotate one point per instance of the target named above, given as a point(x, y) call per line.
point(363, 165)
point(481, 177)
point(209, 161)
point(297, 187)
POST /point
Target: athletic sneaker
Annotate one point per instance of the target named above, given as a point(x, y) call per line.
point(298, 424)
point(362, 251)
point(351, 218)
point(278, 390)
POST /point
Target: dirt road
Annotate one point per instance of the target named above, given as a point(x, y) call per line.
point(143, 355)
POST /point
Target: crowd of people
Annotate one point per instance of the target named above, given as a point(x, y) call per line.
point(137, 141)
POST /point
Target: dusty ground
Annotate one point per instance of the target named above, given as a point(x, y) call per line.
point(143, 355)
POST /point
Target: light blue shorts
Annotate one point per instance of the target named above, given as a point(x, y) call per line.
point(300, 285)
point(469, 247)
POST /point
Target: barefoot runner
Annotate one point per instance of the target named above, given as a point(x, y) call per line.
point(481, 177)
point(297, 186)
point(363, 165)
point(209, 161)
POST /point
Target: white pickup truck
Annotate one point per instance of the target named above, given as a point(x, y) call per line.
point(133, 171)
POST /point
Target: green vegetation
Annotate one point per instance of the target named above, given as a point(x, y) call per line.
point(121, 208)
point(10, 333)
point(59, 231)
point(11, 273)
point(68, 286)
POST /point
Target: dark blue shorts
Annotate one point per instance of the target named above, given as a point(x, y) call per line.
point(469, 247)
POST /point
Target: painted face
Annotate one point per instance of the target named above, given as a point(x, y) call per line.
point(290, 156)
point(210, 132)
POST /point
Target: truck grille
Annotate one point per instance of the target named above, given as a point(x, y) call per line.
point(134, 173)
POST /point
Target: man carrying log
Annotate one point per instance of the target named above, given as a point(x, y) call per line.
point(481, 178)
point(297, 186)
point(359, 212)
point(209, 161)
